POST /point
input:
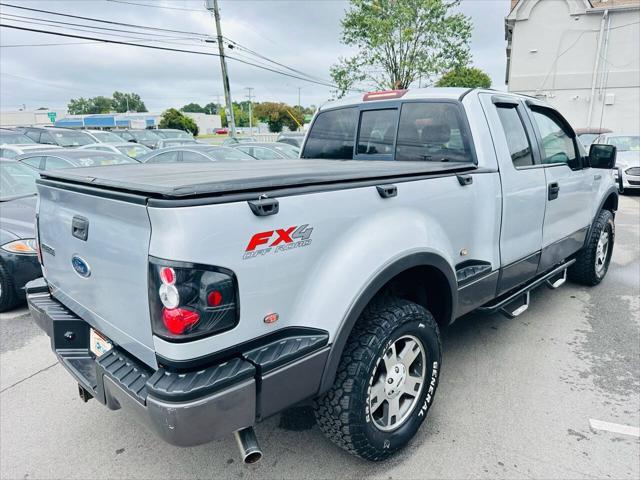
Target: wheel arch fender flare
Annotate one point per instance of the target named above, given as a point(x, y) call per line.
point(386, 274)
point(609, 199)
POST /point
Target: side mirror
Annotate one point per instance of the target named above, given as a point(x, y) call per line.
point(602, 156)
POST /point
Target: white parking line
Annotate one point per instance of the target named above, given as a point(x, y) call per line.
point(614, 427)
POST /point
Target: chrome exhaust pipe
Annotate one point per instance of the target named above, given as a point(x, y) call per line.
point(248, 445)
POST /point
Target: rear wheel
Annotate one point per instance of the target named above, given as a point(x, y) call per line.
point(385, 382)
point(592, 263)
point(7, 291)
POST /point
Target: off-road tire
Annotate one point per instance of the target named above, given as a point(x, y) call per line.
point(583, 271)
point(8, 297)
point(342, 412)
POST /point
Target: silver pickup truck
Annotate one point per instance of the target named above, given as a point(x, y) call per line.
point(206, 297)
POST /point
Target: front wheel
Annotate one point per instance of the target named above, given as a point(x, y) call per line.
point(592, 262)
point(386, 380)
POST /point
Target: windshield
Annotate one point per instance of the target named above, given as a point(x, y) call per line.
point(106, 137)
point(94, 159)
point(71, 138)
point(16, 180)
point(134, 150)
point(587, 138)
point(176, 134)
point(287, 150)
point(145, 135)
point(226, 153)
point(624, 143)
point(14, 138)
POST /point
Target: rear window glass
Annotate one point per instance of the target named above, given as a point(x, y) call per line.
point(432, 132)
point(332, 135)
point(377, 132)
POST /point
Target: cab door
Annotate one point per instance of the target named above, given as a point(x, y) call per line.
point(569, 186)
point(523, 189)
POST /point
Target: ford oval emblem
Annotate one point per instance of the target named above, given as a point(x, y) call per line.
point(80, 266)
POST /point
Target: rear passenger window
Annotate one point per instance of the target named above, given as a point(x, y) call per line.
point(516, 135)
point(377, 132)
point(52, 163)
point(434, 132)
point(32, 161)
point(332, 135)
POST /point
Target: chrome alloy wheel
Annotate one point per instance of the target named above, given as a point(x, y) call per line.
point(396, 383)
point(602, 251)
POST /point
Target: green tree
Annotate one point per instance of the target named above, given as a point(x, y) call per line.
point(401, 41)
point(468, 77)
point(193, 108)
point(212, 108)
point(172, 118)
point(128, 102)
point(240, 114)
point(278, 115)
point(93, 105)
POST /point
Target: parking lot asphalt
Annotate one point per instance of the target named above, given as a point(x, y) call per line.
point(518, 398)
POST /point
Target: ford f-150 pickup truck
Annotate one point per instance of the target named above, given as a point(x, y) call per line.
point(207, 297)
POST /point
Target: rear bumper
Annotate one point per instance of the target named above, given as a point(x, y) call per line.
point(192, 407)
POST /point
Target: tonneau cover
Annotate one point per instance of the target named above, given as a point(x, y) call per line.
point(180, 180)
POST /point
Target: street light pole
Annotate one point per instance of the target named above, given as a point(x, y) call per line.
point(250, 110)
point(212, 6)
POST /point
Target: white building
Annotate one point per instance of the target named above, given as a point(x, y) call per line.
point(23, 118)
point(207, 124)
point(582, 56)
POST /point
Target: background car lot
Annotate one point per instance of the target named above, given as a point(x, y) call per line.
point(515, 401)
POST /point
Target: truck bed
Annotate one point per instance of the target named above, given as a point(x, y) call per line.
point(187, 180)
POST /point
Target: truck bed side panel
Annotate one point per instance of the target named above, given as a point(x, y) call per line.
point(356, 234)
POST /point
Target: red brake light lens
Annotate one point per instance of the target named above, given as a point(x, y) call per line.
point(178, 320)
point(383, 95)
point(168, 275)
point(189, 301)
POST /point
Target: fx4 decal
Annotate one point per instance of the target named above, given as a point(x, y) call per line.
point(278, 240)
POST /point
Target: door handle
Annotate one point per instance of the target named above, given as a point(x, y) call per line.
point(554, 189)
point(80, 227)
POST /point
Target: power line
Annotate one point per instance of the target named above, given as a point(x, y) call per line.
point(110, 22)
point(196, 34)
point(155, 47)
point(166, 7)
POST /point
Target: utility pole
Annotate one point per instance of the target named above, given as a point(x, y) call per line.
point(212, 6)
point(250, 110)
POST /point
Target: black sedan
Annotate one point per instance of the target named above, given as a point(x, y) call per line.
point(194, 154)
point(18, 258)
point(72, 157)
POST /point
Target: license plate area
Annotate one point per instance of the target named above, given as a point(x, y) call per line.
point(98, 343)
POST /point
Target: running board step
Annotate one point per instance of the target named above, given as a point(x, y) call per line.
point(553, 279)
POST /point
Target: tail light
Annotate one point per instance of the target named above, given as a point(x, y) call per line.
point(190, 301)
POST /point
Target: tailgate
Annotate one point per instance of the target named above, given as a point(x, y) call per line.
point(102, 278)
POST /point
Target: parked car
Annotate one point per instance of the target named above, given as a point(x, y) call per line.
point(174, 142)
point(236, 140)
point(173, 133)
point(588, 135)
point(222, 131)
point(242, 289)
point(132, 150)
point(199, 153)
point(292, 138)
point(70, 158)
point(145, 137)
point(18, 261)
point(13, 137)
point(63, 137)
point(103, 136)
point(13, 151)
point(627, 173)
point(268, 151)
